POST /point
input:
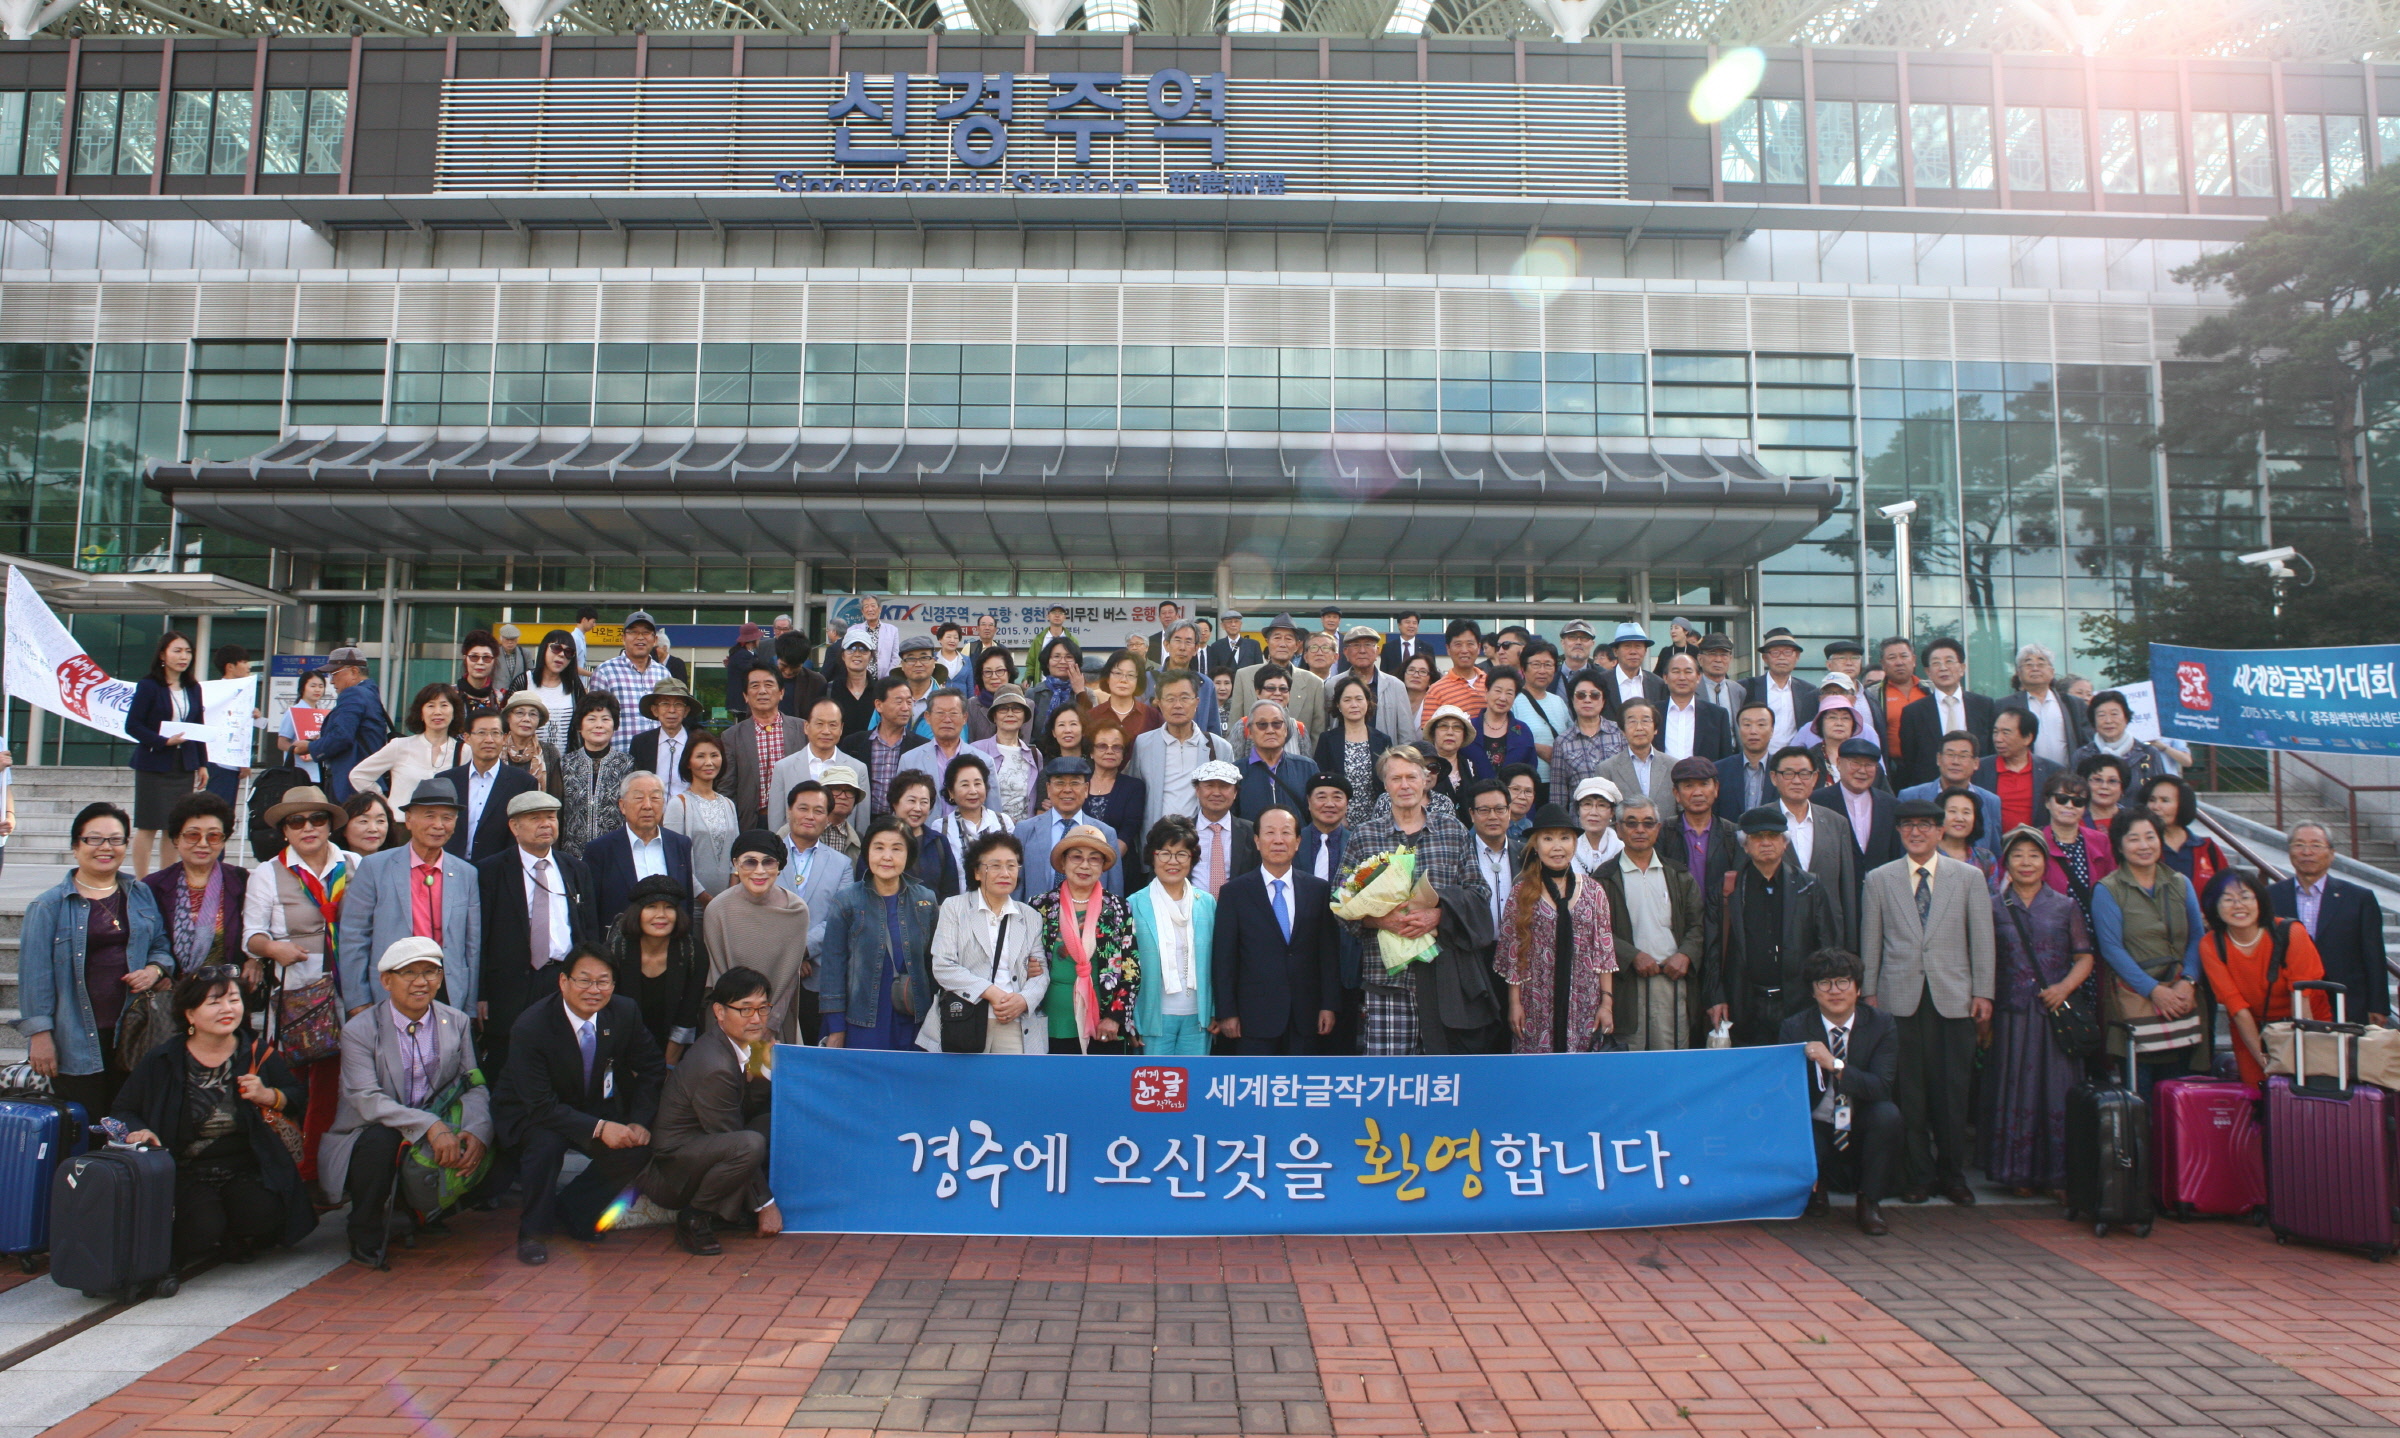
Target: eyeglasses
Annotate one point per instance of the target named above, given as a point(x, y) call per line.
point(587, 981)
point(1788, 772)
point(1637, 823)
point(1266, 723)
point(1843, 982)
point(748, 1011)
point(102, 841)
point(2072, 801)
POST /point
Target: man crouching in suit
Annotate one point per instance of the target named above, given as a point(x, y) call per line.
point(1853, 1057)
point(708, 1157)
point(583, 1073)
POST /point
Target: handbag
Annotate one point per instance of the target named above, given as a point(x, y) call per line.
point(147, 1021)
point(2074, 1028)
point(429, 1189)
point(286, 1132)
point(966, 1023)
point(308, 1021)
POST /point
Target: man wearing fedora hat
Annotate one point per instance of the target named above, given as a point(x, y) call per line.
point(484, 786)
point(421, 889)
point(1627, 680)
point(1307, 702)
point(1793, 699)
point(660, 751)
point(537, 905)
point(1776, 916)
point(1717, 684)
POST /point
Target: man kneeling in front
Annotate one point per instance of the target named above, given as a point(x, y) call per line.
point(405, 1063)
point(1853, 1057)
point(708, 1153)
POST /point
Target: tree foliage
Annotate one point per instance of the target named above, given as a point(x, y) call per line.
point(2211, 601)
point(2316, 312)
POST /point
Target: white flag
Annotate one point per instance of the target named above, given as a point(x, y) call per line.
point(46, 668)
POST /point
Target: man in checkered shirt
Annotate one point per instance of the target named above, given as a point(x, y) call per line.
point(631, 676)
point(1405, 1012)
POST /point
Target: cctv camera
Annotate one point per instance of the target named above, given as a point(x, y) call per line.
point(1901, 510)
point(2272, 558)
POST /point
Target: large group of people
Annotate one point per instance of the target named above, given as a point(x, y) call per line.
point(567, 910)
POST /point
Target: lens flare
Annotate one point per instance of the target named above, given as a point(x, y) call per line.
point(618, 1207)
point(1544, 270)
point(1733, 79)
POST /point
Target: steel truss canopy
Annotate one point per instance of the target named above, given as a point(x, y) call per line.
point(74, 591)
point(2260, 29)
point(1415, 501)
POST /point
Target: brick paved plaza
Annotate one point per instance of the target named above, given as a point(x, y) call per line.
point(1984, 1321)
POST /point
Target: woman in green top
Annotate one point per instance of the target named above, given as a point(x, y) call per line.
point(2146, 923)
point(1087, 936)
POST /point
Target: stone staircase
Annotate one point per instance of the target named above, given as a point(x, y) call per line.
point(47, 798)
point(2304, 806)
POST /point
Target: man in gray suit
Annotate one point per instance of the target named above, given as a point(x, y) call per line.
point(1165, 759)
point(756, 745)
point(381, 906)
point(1641, 767)
point(1927, 947)
point(1820, 838)
point(708, 1150)
point(398, 1056)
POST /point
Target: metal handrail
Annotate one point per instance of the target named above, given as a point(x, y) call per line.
point(2349, 790)
point(2266, 870)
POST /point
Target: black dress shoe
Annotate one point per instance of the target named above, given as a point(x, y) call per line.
point(1818, 1204)
point(1870, 1220)
point(697, 1234)
point(1960, 1194)
point(532, 1250)
point(369, 1258)
point(1915, 1195)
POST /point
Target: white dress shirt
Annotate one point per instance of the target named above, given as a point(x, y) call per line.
point(1682, 721)
point(1779, 699)
point(649, 855)
point(1494, 864)
point(552, 890)
point(1201, 866)
point(1801, 833)
point(670, 760)
point(2051, 742)
point(479, 793)
point(1629, 686)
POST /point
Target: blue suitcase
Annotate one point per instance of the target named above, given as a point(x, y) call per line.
point(36, 1136)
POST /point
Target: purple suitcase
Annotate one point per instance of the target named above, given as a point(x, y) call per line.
point(2333, 1162)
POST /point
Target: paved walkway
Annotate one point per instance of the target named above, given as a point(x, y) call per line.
point(1985, 1322)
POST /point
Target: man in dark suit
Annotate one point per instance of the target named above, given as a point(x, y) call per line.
point(1404, 641)
point(1688, 724)
point(1776, 915)
point(1948, 706)
point(1853, 1053)
point(1742, 782)
point(1874, 832)
point(1232, 649)
point(525, 941)
point(708, 1153)
point(2343, 918)
point(1819, 840)
point(1793, 699)
point(1324, 840)
point(2065, 725)
point(484, 786)
point(584, 1074)
point(2015, 772)
point(641, 847)
point(660, 751)
point(1277, 962)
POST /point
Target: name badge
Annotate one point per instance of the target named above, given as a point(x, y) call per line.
point(608, 1082)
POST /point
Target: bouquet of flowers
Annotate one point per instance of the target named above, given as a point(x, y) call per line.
point(1381, 885)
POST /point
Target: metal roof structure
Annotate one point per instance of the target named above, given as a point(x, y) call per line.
point(1138, 501)
point(2259, 29)
point(76, 591)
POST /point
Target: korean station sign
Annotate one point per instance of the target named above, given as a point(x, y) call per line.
point(1171, 132)
point(869, 1142)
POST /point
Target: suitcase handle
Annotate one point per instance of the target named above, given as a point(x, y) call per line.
point(2129, 1055)
point(2339, 1028)
point(2341, 1008)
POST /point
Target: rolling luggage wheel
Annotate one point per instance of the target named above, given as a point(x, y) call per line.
point(26, 1263)
point(2141, 1230)
point(2099, 1230)
point(167, 1287)
point(2183, 1213)
point(2282, 1237)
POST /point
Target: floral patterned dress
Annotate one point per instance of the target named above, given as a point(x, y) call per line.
point(1116, 973)
point(1532, 967)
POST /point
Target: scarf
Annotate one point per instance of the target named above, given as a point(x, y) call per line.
point(1080, 933)
point(527, 756)
point(1559, 884)
point(1180, 969)
point(327, 896)
point(199, 923)
point(2122, 749)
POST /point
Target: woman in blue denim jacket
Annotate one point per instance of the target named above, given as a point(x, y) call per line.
point(878, 939)
point(89, 945)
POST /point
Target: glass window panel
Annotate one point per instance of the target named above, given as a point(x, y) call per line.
point(12, 130)
point(229, 148)
point(1737, 157)
point(2026, 170)
point(1803, 369)
point(2066, 149)
point(2253, 157)
point(2212, 155)
point(2345, 155)
point(2162, 166)
point(1700, 369)
point(1878, 144)
point(1784, 135)
point(2304, 155)
point(1149, 359)
point(137, 132)
point(279, 140)
point(1837, 143)
point(45, 127)
point(187, 132)
point(2387, 139)
point(1971, 143)
point(1929, 143)
point(2120, 153)
point(96, 132)
point(328, 112)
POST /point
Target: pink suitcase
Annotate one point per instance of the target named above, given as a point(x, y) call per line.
point(2204, 1134)
point(2333, 1162)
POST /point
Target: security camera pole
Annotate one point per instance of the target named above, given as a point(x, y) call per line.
point(1898, 514)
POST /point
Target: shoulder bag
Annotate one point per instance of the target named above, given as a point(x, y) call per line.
point(966, 1023)
point(429, 1189)
point(2073, 1027)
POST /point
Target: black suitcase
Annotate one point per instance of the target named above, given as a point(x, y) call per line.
point(2108, 1157)
point(112, 1223)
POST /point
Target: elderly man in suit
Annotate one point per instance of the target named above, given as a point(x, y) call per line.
point(1167, 758)
point(660, 751)
point(1774, 915)
point(1948, 707)
point(2065, 724)
point(1853, 1053)
point(1231, 649)
point(2015, 773)
point(401, 1059)
point(583, 1074)
point(420, 889)
point(1819, 838)
point(1641, 767)
point(537, 909)
point(708, 1151)
point(484, 786)
point(1954, 768)
point(1926, 941)
point(2343, 918)
point(758, 743)
point(642, 848)
point(1308, 691)
point(1792, 699)
point(1626, 679)
point(1277, 964)
point(1068, 783)
point(1868, 809)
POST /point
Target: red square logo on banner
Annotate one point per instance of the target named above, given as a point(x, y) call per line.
point(77, 678)
point(2191, 685)
point(1160, 1090)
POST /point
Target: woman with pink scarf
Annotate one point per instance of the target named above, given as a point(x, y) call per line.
point(1087, 935)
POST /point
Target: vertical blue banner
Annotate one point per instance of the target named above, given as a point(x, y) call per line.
point(2326, 701)
point(869, 1142)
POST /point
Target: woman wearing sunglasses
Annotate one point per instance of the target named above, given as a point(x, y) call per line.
point(88, 945)
point(289, 921)
point(2080, 856)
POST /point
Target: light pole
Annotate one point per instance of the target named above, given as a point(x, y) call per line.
point(1899, 514)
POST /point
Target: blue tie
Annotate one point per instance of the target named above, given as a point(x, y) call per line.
point(1283, 912)
point(587, 1037)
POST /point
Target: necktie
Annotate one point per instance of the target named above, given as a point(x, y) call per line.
point(1216, 858)
point(416, 1067)
point(1283, 912)
point(1838, 1040)
point(1924, 897)
point(756, 1066)
point(587, 1037)
point(538, 920)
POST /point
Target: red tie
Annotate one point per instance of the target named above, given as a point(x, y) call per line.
point(1216, 857)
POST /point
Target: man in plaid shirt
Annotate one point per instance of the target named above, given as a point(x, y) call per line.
point(631, 676)
point(1405, 1012)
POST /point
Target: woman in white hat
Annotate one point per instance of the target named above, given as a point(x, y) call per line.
point(1087, 936)
point(1596, 802)
point(1456, 761)
point(1016, 766)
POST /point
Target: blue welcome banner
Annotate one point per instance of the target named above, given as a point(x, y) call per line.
point(2329, 701)
point(869, 1142)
